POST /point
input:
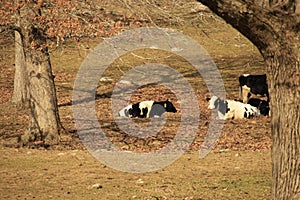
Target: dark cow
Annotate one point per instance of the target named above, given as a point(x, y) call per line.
point(146, 109)
point(229, 109)
point(253, 84)
point(262, 105)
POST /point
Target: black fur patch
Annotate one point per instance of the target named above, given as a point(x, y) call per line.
point(262, 105)
point(256, 83)
point(222, 106)
point(158, 108)
point(245, 115)
point(249, 114)
point(136, 111)
point(127, 113)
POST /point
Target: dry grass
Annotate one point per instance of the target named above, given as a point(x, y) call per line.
point(28, 174)
point(238, 168)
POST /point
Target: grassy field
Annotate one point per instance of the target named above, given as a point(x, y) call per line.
point(75, 174)
point(239, 167)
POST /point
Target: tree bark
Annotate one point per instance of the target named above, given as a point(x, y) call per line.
point(262, 3)
point(20, 93)
point(45, 124)
point(274, 30)
point(284, 82)
point(284, 5)
point(297, 6)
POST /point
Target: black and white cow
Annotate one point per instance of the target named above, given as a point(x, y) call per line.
point(262, 105)
point(146, 109)
point(229, 109)
point(253, 84)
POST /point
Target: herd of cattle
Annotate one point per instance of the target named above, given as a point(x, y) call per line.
point(227, 109)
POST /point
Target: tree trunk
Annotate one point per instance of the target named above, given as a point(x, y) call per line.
point(262, 3)
point(283, 68)
point(275, 32)
point(286, 143)
point(297, 6)
point(283, 5)
point(20, 93)
point(45, 123)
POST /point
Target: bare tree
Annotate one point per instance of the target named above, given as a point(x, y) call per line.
point(273, 27)
point(39, 25)
point(20, 95)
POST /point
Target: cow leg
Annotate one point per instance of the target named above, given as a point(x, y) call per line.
point(248, 96)
point(245, 93)
point(144, 113)
point(241, 93)
point(268, 97)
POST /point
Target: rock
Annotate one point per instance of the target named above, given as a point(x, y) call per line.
point(140, 181)
point(237, 155)
point(105, 79)
point(96, 186)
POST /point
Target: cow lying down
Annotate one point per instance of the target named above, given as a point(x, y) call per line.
point(262, 105)
point(229, 109)
point(146, 109)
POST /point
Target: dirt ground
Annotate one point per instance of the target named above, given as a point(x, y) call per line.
point(239, 167)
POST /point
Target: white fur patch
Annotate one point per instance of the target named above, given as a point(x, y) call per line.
point(212, 102)
point(122, 113)
point(146, 104)
point(237, 110)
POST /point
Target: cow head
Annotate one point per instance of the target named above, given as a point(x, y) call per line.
point(264, 108)
point(213, 102)
point(169, 107)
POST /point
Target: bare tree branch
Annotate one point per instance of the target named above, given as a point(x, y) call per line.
point(251, 20)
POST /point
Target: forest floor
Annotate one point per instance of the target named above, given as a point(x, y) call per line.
point(238, 167)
